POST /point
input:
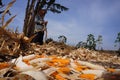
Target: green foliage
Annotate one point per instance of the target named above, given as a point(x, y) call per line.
point(52, 6)
point(118, 40)
point(81, 44)
point(91, 43)
point(62, 39)
point(49, 40)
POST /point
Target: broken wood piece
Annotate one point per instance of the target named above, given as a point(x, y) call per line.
point(49, 71)
point(87, 76)
point(92, 66)
point(37, 75)
point(97, 73)
point(65, 70)
point(22, 66)
point(4, 65)
point(38, 60)
point(29, 57)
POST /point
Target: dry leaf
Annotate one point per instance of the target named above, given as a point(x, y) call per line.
point(37, 75)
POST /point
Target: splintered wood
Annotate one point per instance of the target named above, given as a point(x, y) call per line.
point(49, 67)
point(20, 59)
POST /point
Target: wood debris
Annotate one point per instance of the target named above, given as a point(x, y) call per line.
point(53, 61)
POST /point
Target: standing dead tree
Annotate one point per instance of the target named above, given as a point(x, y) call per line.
point(32, 8)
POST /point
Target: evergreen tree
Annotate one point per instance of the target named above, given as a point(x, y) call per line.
point(118, 40)
point(91, 43)
point(81, 44)
point(62, 39)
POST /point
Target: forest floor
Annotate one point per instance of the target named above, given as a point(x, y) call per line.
point(20, 59)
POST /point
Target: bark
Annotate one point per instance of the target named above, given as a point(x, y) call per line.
point(26, 18)
point(31, 11)
point(30, 25)
point(29, 17)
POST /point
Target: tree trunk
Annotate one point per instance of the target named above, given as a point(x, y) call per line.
point(26, 18)
point(31, 10)
point(28, 27)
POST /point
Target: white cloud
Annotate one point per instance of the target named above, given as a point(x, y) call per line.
point(84, 17)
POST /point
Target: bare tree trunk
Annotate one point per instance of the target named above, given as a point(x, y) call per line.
point(29, 17)
point(30, 25)
point(26, 18)
point(31, 11)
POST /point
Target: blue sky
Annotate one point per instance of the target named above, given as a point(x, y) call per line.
point(98, 17)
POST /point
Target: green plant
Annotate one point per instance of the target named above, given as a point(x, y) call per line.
point(91, 43)
point(62, 39)
point(81, 44)
point(117, 41)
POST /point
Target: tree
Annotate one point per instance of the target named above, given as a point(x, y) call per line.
point(91, 44)
point(49, 40)
point(33, 6)
point(81, 44)
point(118, 40)
point(99, 42)
point(62, 39)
